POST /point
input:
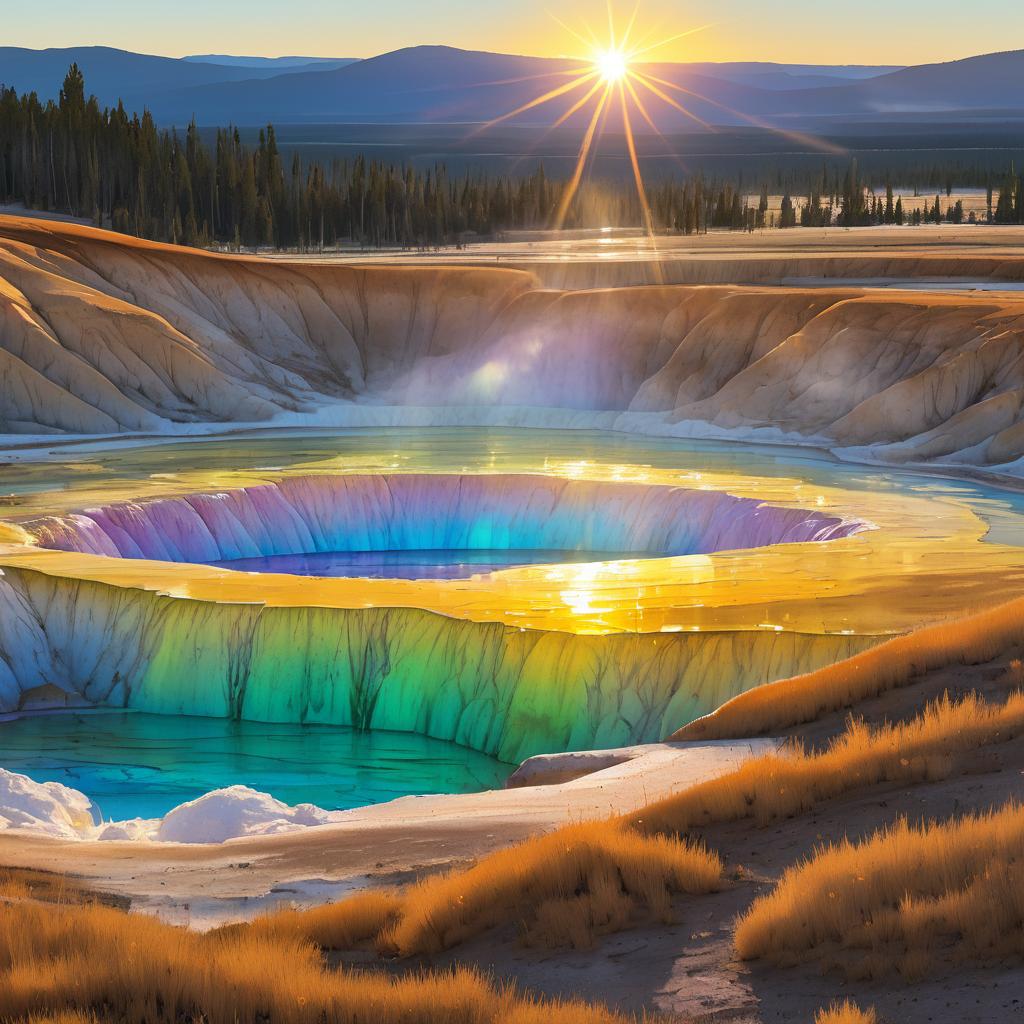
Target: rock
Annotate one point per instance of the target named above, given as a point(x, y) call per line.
point(50, 809)
point(437, 512)
point(46, 808)
point(234, 812)
point(502, 690)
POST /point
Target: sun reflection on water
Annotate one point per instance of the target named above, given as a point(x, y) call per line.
point(929, 558)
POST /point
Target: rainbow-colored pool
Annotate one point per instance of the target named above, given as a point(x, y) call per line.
point(662, 577)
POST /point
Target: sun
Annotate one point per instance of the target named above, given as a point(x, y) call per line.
point(614, 75)
point(612, 65)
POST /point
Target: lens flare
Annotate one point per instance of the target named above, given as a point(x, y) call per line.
point(616, 73)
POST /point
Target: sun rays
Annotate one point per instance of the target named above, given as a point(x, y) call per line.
point(616, 75)
point(608, 78)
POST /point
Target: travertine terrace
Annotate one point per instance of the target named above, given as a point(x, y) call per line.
point(107, 335)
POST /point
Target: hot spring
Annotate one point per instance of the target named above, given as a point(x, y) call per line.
point(132, 764)
point(445, 521)
point(342, 617)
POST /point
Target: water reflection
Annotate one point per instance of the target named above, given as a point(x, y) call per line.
point(942, 547)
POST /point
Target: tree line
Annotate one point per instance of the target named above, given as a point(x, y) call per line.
point(852, 202)
point(121, 171)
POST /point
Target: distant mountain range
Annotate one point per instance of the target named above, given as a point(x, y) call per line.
point(141, 78)
point(275, 64)
point(438, 84)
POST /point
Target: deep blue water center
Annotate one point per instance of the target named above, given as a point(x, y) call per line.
point(138, 765)
point(412, 565)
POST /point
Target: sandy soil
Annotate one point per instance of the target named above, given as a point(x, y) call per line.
point(384, 843)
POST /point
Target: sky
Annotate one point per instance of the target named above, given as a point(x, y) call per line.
point(788, 31)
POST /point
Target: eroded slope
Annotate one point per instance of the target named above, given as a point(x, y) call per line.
point(103, 334)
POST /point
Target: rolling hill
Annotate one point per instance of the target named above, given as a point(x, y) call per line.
point(137, 78)
point(273, 64)
point(441, 85)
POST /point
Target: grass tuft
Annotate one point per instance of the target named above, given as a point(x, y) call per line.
point(788, 702)
point(350, 924)
point(781, 785)
point(562, 889)
point(846, 1012)
point(900, 900)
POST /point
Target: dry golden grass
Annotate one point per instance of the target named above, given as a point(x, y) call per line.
point(774, 706)
point(73, 963)
point(899, 899)
point(846, 1012)
point(63, 1017)
point(780, 785)
point(562, 889)
point(22, 883)
point(366, 915)
point(580, 882)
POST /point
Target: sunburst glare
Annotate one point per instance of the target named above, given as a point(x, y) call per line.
point(612, 65)
point(616, 73)
point(606, 77)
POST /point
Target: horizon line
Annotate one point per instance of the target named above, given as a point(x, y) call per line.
point(498, 53)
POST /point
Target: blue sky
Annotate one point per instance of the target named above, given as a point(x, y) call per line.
point(868, 32)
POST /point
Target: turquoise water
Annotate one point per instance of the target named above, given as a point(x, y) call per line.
point(139, 765)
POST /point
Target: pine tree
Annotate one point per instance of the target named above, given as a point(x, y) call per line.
point(119, 170)
point(787, 216)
